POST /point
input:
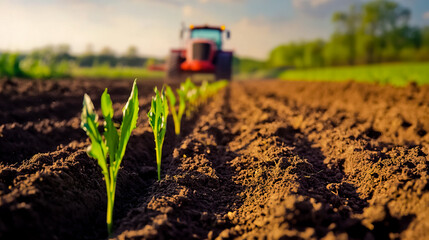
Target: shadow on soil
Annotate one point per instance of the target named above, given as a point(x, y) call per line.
point(339, 199)
point(197, 190)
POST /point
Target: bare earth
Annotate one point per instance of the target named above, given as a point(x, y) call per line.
point(261, 160)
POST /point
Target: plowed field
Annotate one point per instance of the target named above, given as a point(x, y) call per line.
point(261, 160)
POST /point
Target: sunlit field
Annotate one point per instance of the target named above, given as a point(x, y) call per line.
point(398, 74)
point(204, 119)
point(115, 72)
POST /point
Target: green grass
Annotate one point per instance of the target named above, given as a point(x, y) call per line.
point(397, 74)
point(115, 72)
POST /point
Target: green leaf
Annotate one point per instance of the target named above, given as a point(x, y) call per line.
point(164, 112)
point(106, 104)
point(172, 101)
point(152, 111)
point(203, 87)
point(158, 121)
point(182, 102)
point(171, 96)
point(189, 84)
point(129, 121)
point(158, 107)
point(98, 151)
point(89, 123)
point(89, 120)
point(113, 144)
point(110, 131)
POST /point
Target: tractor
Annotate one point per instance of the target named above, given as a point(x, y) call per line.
point(202, 54)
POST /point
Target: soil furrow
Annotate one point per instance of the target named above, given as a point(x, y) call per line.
point(71, 181)
point(352, 150)
point(280, 171)
point(197, 188)
point(261, 160)
point(66, 178)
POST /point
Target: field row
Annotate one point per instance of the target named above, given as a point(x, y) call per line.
point(289, 159)
point(399, 74)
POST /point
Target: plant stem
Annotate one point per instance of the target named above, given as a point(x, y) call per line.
point(158, 158)
point(109, 215)
point(176, 122)
point(175, 119)
point(178, 128)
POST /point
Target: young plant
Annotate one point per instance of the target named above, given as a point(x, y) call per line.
point(177, 115)
point(112, 144)
point(203, 89)
point(214, 87)
point(192, 94)
point(158, 121)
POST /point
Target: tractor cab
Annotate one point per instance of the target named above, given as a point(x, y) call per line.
point(202, 53)
point(205, 32)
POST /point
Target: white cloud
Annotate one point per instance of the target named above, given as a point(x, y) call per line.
point(165, 2)
point(249, 37)
point(257, 36)
point(426, 15)
point(83, 25)
point(153, 26)
point(187, 10)
point(312, 3)
point(222, 1)
point(316, 3)
point(197, 15)
point(322, 8)
point(183, 2)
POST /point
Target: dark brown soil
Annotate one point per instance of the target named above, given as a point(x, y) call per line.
point(261, 160)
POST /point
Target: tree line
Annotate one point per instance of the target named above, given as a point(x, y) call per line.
point(90, 58)
point(56, 61)
point(375, 32)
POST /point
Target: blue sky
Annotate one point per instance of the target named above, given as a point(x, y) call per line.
point(153, 25)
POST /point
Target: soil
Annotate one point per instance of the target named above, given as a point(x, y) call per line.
point(261, 160)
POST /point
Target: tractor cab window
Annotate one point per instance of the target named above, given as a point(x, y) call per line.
point(212, 34)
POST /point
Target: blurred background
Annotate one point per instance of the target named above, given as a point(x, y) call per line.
point(383, 41)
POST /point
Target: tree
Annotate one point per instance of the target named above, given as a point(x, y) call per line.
point(131, 58)
point(347, 25)
point(131, 52)
point(381, 19)
point(107, 56)
point(87, 59)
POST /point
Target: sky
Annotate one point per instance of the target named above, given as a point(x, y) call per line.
point(153, 26)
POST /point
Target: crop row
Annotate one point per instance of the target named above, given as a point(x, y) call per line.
point(109, 147)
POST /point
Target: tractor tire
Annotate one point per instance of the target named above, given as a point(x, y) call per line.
point(173, 66)
point(223, 66)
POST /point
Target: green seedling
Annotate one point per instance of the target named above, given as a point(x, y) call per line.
point(214, 87)
point(192, 95)
point(177, 115)
point(158, 121)
point(203, 92)
point(113, 143)
point(195, 96)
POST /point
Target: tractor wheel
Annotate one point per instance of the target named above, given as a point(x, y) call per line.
point(223, 66)
point(173, 66)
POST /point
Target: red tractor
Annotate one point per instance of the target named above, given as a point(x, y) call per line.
point(203, 54)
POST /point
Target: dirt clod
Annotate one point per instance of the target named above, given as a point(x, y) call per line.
point(261, 160)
